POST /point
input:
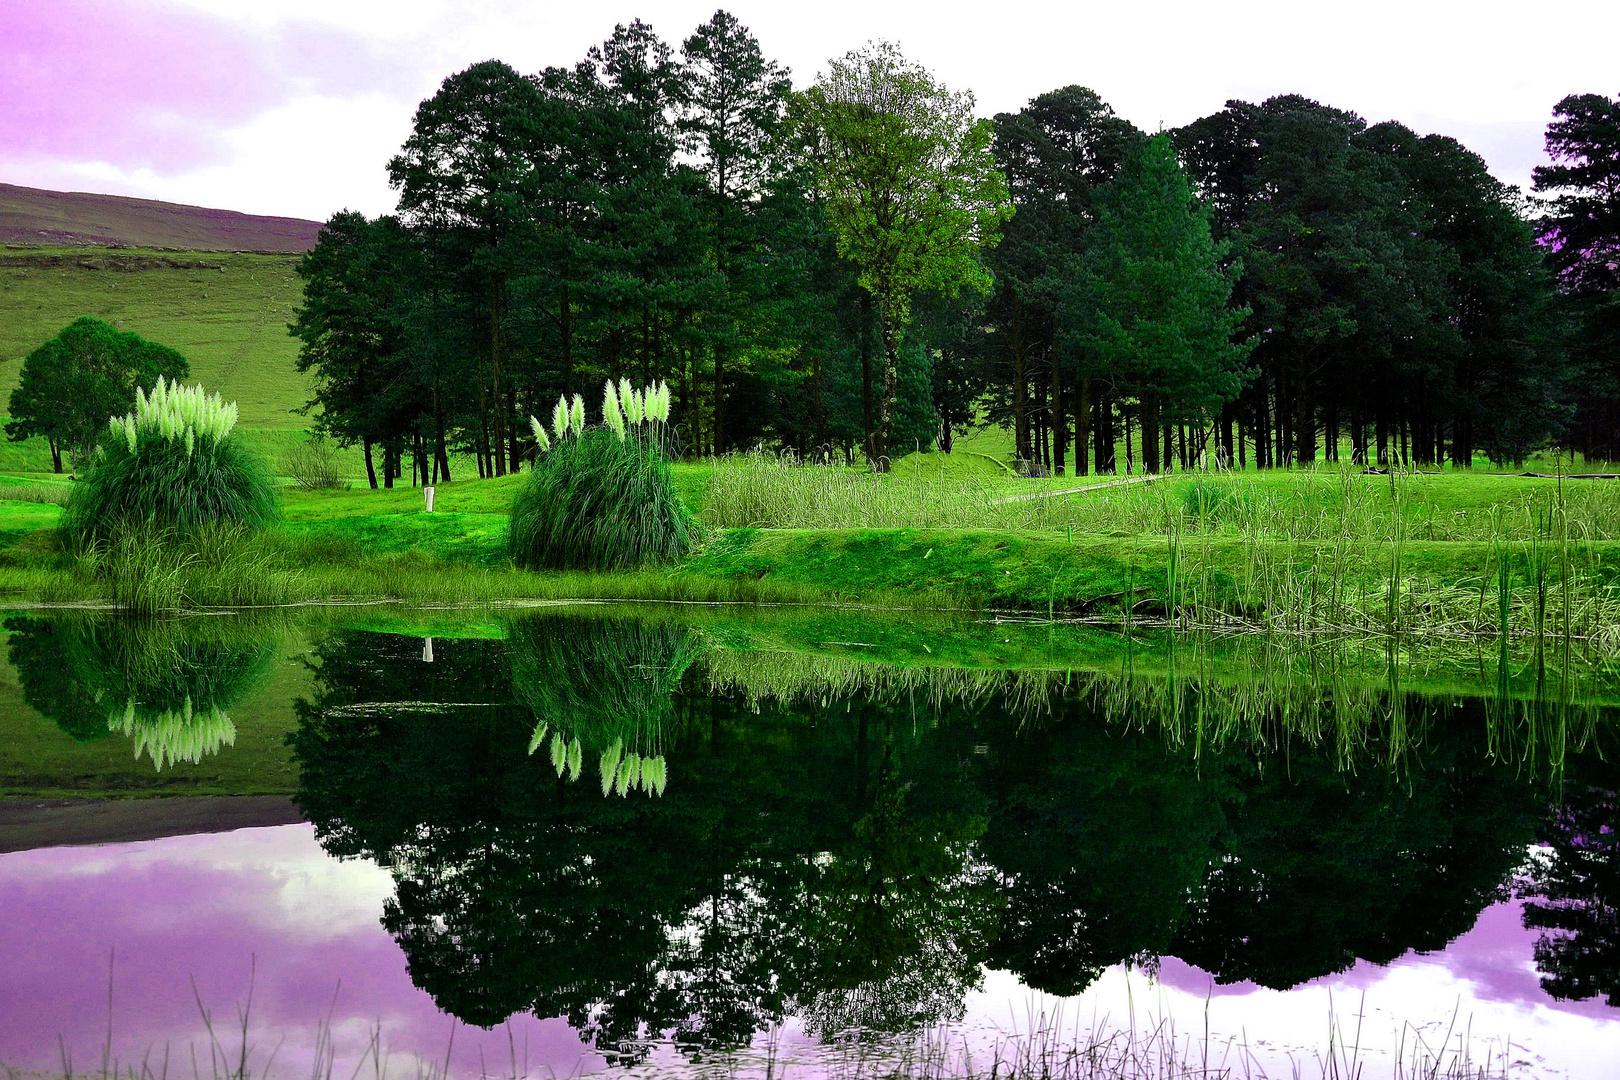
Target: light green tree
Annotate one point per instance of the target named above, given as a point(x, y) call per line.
point(910, 187)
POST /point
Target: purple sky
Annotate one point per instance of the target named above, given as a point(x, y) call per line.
point(203, 907)
point(293, 106)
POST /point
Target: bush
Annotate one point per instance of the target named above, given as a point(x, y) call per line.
point(313, 465)
point(600, 499)
point(172, 466)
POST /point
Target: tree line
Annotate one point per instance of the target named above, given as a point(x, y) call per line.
point(866, 267)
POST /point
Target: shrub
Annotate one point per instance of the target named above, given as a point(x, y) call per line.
point(173, 466)
point(601, 499)
point(314, 465)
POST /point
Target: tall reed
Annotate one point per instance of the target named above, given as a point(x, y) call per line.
point(601, 498)
point(174, 466)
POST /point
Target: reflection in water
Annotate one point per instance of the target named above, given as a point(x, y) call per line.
point(853, 844)
point(168, 685)
point(602, 687)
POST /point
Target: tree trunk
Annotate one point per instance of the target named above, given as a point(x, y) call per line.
point(1060, 420)
point(867, 417)
point(56, 453)
point(1020, 390)
point(438, 424)
point(1082, 427)
point(891, 382)
point(1102, 428)
point(498, 458)
point(1150, 434)
point(565, 329)
point(719, 399)
point(371, 471)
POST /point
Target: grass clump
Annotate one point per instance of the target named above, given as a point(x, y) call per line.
point(603, 498)
point(315, 465)
point(172, 466)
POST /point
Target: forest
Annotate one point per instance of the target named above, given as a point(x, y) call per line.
point(865, 268)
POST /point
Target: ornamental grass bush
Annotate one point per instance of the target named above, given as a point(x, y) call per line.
point(601, 498)
point(174, 467)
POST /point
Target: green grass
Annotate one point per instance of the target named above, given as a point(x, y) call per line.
point(230, 325)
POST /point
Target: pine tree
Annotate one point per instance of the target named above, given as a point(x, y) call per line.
point(1150, 298)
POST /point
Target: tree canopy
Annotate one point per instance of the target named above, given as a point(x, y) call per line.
point(71, 385)
point(866, 266)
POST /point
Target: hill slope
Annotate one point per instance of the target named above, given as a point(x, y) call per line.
point(32, 216)
point(226, 313)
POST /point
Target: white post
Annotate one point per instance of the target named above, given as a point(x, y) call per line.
point(427, 650)
point(427, 497)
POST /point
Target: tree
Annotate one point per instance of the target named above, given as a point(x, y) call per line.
point(911, 189)
point(464, 178)
point(1501, 375)
point(1582, 238)
point(351, 333)
point(1058, 153)
point(1150, 298)
point(71, 385)
point(734, 104)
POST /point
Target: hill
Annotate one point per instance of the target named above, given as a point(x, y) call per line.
point(32, 216)
point(226, 313)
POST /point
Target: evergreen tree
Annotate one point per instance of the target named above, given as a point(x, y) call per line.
point(1150, 298)
point(1582, 236)
point(1058, 152)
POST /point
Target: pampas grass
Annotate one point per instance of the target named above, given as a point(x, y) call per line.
point(601, 498)
point(172, 465)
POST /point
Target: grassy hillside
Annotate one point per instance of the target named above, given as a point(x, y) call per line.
point(34, 216)
point(227, 314)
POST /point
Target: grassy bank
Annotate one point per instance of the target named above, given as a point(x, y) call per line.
point(1332, 551)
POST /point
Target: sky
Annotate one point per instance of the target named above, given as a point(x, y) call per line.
point(293, 107)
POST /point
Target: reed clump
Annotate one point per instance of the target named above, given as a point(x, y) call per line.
point(45, 494)
point(601, 498)
point(172, 466)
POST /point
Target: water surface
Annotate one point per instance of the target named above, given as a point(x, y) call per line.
point(651, 843)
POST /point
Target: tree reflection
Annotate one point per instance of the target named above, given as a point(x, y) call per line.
point(851, 857)
point(1572, 892)
point(1322, 867)
point(167, 684)
point(788, 866)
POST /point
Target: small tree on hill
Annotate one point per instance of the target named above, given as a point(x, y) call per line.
point(71, 384)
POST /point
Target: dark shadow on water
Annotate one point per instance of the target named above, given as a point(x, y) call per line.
point(853, 843)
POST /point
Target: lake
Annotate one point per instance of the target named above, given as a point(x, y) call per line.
point(702, 842)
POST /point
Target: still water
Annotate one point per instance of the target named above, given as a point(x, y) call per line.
point(557, 844)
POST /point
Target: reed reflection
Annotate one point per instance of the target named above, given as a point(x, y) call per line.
point(166, 684)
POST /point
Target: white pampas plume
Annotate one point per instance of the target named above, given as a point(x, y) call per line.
point(559, 418)
point(538, 737)
point(577, 414)
point(576, 758)
point(610, 765)
point(612, 414)
point(637, 410)
point(540, 437)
